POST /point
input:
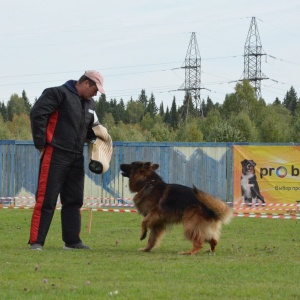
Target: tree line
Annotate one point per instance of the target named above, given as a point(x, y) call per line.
point(240, 118)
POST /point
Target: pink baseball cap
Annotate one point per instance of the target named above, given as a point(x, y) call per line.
point(97, 78)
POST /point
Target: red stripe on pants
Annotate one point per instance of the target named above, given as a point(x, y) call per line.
point(40, 195)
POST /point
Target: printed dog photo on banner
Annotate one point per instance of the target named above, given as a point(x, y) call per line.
point(266, 174)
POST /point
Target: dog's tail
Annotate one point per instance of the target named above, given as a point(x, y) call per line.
point(219, 207)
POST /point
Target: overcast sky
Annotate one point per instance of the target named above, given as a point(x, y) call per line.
point(138, 44)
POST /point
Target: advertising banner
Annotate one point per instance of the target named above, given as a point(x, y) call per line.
point(266, 174)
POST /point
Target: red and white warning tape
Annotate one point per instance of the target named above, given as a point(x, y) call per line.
point(242, 204)
point(268, 216)
point(245, 210)
point(236, 214)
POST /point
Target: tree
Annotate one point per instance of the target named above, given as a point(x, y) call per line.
point(143, 99)
point(120, 112)
point(277, 101)
point(127, 132)
point(187, 108)
point(290, 100)
point(225, 133)
point(108, 121)
point(275, 125)
point(19, 127)
point(16, 105)
point(208, 106)
point(147, 122)
point(161, 132)
point(167, 118)
point(102, 107)
point(174, 115)
point(189, 131)
point(151, 106)
point(161, 109)
point(246, 127)
point(26, 101)
point(296, 125)
point(118, 132)
point(4, 132)
point(242, 100)
point(135, 111)
point(117, 110)
point(3, 111)
point(207, 124)
point(113, 107)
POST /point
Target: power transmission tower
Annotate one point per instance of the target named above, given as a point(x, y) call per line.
point(192, 84)
point(252, 59)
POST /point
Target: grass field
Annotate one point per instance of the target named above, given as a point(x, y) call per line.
point(256, 259)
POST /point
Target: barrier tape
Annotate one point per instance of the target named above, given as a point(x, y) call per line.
point(241, 209)
point(268, 216)
point(86, 198)
point(236, 214)
point(118, 199)
point(261, 205)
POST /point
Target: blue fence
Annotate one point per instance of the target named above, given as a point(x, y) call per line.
point(209, 166)
point(206, 165)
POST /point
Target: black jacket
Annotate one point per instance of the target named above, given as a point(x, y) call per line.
point(61, 118)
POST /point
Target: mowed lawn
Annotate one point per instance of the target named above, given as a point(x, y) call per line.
point(255, 259)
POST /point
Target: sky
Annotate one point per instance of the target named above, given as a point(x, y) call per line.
point(139, 44)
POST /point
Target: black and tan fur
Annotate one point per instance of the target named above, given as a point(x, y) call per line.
point(164, 204)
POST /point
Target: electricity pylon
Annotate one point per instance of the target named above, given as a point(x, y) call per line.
point(252, 59)
point(192, 83)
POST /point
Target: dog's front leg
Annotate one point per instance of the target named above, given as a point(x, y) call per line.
point(149, 219)
point(156, 233)
point(144, 229)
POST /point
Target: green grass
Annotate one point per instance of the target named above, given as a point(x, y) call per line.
point(255, 259)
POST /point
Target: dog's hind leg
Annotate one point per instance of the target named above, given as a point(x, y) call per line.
point(156, 233)
point(213, 244)
point(197, 245)
point(192, 231)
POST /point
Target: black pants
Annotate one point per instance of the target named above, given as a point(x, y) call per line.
point(61, 172)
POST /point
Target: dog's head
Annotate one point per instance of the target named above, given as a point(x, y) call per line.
point(139, 173)
point(248, 166)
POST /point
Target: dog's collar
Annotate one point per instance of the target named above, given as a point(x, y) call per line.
point(151, 182)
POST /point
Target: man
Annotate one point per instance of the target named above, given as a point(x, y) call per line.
point(61, 121)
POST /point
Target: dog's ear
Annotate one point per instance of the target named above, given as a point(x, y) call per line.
point(252, 163)
point(147, 165)
point(154, 167)
point(243, 162)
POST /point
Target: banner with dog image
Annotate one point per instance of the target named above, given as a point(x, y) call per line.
point(266, 174)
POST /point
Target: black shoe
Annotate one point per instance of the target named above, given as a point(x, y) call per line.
point(76, 246)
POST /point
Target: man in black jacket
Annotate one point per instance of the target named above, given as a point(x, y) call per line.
point(61, 121)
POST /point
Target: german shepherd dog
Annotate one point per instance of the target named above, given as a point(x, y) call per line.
point(164, 204)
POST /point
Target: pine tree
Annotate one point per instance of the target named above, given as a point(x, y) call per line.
point(143, 98)
point(26, 100)
point(277, 101)
point(151, 107)
point(161, 109)
point(16, 106)
point(3, 111)
point(187, 109)
point(174, 115)
point(290, 100)
point(167, 118)
point(102, 107)
point(121, 112)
